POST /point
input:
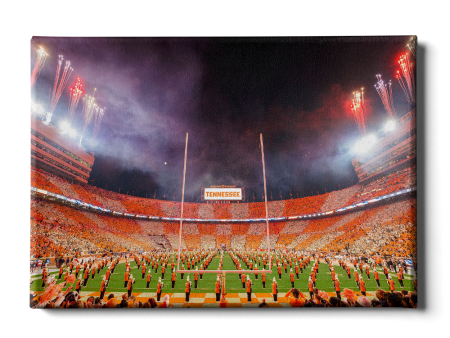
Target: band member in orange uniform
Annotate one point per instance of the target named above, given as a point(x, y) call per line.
point(337, 287)
point(174, 277)
point(275, 290)
point(217, 289)
point(159, 289)
point(263, 278)
point(103, 288)
point(362, 285)
point(291, 275)
point(313, 277)
point(143, 270)
point(376, 276)
point(149, 278)
point(311, 288)
point(249, 289)
point(187, 288)
point(391, 284)
point(196, 277)
point(400, 278)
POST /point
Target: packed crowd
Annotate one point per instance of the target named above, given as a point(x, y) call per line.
point(57, 226)
point(396, 181)
point(60, 229)
point(290, 207)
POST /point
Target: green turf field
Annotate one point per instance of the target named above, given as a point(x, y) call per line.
point(233, 283)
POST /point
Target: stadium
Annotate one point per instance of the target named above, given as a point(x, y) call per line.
point(350, 246)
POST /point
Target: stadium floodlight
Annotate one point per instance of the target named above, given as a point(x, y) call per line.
point(72, 133)
point(390, 126)
point(365, 144)
point(64, 126)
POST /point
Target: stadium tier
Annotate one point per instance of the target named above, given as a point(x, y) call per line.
point(52, 152)
point(64, 228)
point(394, 151)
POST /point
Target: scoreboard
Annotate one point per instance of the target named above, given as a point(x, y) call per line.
point(223, 193)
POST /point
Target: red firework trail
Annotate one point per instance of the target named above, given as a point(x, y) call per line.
point(405, 77)
point(58, 86)
point(40, 60)
point(75, 94)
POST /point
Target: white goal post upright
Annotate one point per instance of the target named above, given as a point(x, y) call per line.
point(265, 201)
point(182, 203)
point(223, 272)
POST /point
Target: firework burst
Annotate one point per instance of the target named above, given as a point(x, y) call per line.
point(405, 77)
point(89, 108)
point(41, 56)
point(75, 94)
point(358, 110)
point(412, 45)
point(385, 92)
point(98, 120)
point(58, 86)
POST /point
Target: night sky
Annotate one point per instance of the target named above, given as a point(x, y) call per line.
point(224, 92)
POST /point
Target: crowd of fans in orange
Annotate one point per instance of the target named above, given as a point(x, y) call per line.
point(60, 229)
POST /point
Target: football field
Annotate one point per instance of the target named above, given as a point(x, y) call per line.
point(233, 285)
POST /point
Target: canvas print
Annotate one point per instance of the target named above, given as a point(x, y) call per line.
point(223, 172)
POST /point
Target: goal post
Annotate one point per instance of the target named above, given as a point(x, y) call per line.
point(223, 272)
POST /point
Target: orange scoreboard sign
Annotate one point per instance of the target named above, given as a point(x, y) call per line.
point(222, 194)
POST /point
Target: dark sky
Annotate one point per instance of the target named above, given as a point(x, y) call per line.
point(224, 92)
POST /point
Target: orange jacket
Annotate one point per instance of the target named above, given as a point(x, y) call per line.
point(362, 285)
point(391, 285)
point(337, 285)
point(249, 286)
point(217, 287)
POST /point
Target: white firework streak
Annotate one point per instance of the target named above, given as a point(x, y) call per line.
point(406, 78)
point(98, 120)
point(385, 93)
point(41, 56)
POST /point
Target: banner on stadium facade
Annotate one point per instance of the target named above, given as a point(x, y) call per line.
point(223, 194)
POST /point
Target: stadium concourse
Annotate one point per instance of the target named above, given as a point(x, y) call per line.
point(99, 254)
